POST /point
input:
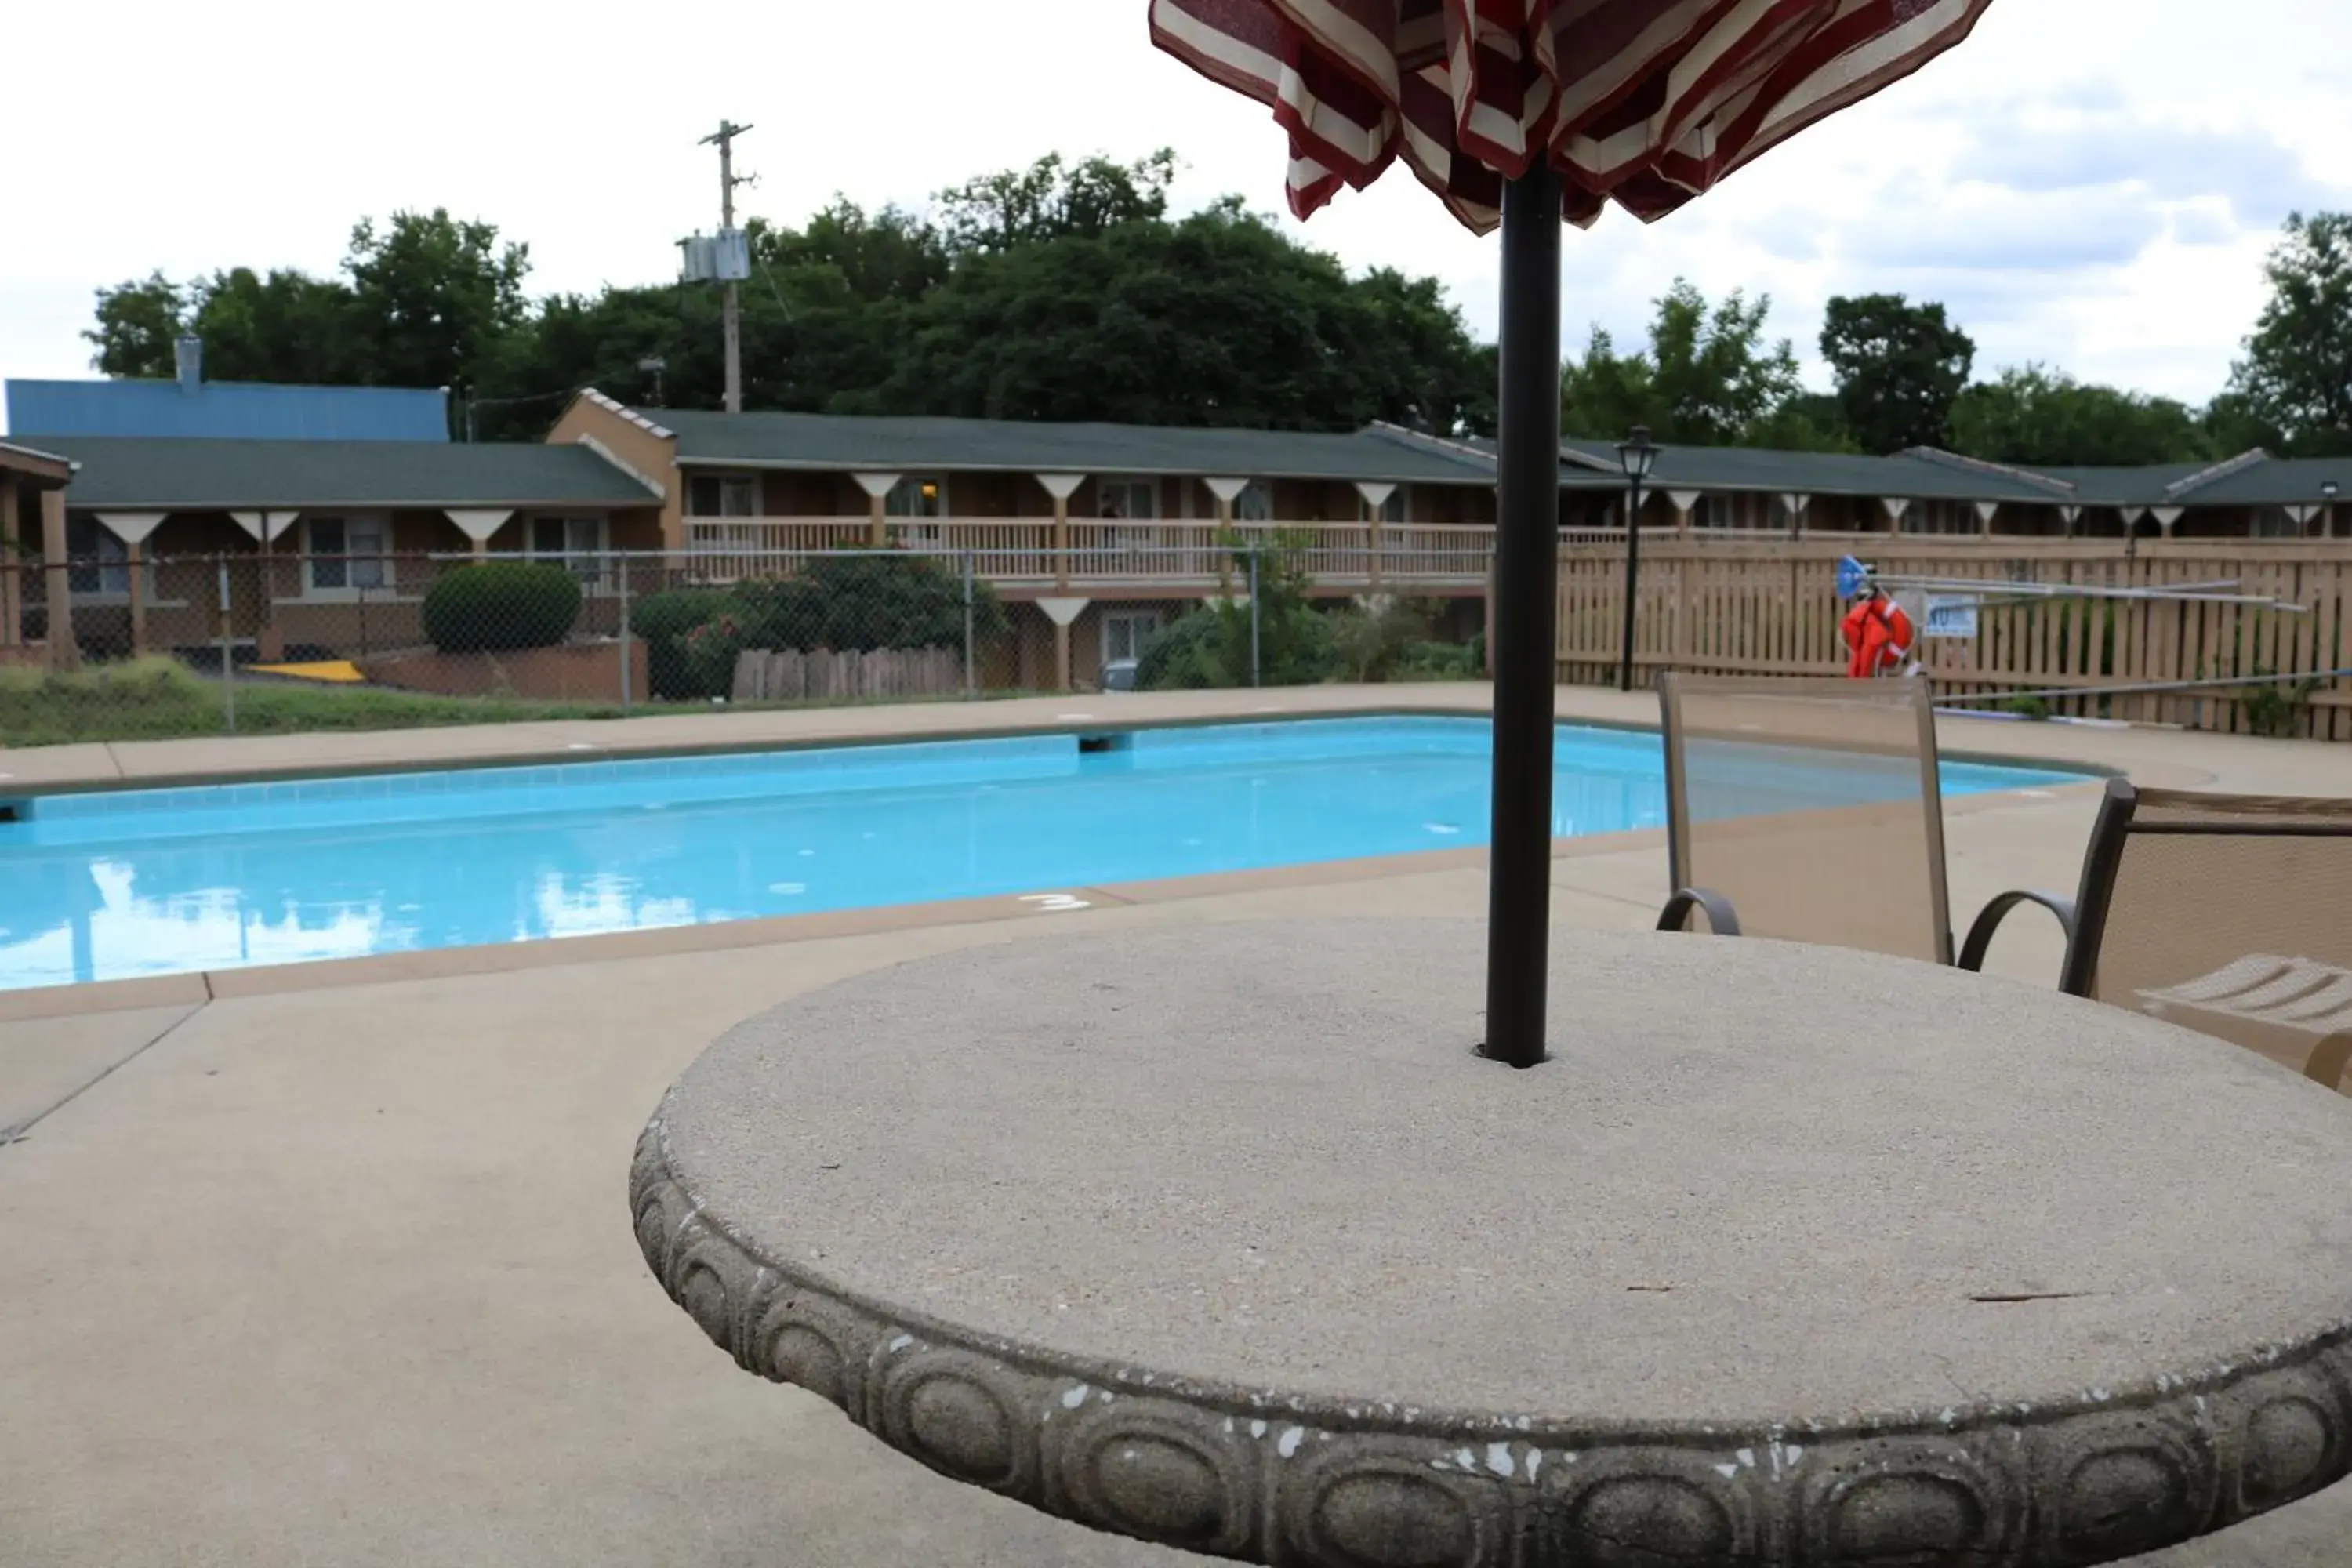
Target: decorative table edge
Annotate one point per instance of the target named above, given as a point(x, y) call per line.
point(1293, 1479)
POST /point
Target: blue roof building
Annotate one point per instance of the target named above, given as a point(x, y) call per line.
point(193, 406)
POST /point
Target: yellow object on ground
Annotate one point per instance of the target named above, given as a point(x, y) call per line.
point(338, 670)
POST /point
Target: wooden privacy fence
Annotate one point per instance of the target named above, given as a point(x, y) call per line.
point(1770, 607)
point(849, 676)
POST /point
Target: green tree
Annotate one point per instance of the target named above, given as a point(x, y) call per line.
point(1710, 378)
point(2031, 416)
point(1216, 320)
point(2233, 425)
point(137, 323)
point(1059, 291)
point(433, 298)
point(2296, 375)
point(284, 326)
point(887, 255)
point(1898, 368)
point(1050, 200)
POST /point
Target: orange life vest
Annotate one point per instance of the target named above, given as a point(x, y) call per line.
point(1878, 638)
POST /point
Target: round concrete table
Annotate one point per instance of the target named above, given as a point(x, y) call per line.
point(1220, 1236)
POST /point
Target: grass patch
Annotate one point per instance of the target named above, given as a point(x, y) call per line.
point(162, 700)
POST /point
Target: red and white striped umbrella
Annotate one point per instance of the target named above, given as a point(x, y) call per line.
point(1644, 102)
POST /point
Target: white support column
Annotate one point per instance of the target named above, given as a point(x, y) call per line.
point(477, 523)
point(12, 592)
point(133, 528)
point(1895, 507)
point(2302, 516)
point(1796, 503)
point(878, 489)
point(267, 527)
point(1063, 613)
point(1227, 491)
point(2069, 513)
point(1985, 509)
point(2166, 516)
point(1376, 495)
point(1062, 487)
point(64, 647)
point(1682, 501)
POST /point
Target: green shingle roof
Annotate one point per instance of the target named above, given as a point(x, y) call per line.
point(1904, 476)
point(190, 474)
point(897, 444)
point(2276, 481)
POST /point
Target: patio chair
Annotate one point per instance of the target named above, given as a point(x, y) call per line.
point(2228, 914)
point(1810, 810)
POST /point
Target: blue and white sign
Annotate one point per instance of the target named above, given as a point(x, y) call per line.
point(1949, 616)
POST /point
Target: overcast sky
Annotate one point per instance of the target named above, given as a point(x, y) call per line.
point(2088, 182)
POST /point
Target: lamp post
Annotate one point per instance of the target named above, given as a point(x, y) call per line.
point(2328, 515)
point(1638, 455)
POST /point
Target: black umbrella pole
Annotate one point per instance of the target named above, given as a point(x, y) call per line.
point(1522, 641)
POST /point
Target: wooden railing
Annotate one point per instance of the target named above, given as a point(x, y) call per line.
point(1101, 553)
point(1770, 607)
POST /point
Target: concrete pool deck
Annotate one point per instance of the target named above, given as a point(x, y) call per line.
point(343, 1274)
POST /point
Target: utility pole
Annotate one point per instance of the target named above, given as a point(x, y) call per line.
point(732, 308)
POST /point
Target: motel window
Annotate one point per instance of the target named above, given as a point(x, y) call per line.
point(722, 495)
point(2276, 522)
point(917, 495)
point(1125, 633)
point(577, 543)
point(1127, 497)
point(347, 553)
point(101, 562)
point(1391, 509)
point(1254, 504)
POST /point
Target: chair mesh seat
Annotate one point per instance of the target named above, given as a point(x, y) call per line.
point(1813, 806)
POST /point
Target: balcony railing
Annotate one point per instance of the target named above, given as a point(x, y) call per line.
point(1100, 552)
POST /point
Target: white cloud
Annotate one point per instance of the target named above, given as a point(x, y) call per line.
point(2090, 183)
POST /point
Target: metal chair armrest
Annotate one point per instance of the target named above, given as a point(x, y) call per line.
point(1721, 919)
point(2328, 1060)
point(1980, 935)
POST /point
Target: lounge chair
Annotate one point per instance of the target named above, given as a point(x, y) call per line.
point(2227, 914)
point(1810, 810)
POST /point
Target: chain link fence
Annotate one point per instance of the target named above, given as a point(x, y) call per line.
point(279, 643)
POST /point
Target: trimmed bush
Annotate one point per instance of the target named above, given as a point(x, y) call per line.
point(861, 602)
point(496, 606)
point(663, 620)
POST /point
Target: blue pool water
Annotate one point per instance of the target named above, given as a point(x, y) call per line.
point(143, 882)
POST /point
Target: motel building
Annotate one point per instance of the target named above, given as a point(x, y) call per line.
point(171, 514)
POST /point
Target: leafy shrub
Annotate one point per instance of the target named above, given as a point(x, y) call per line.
point(1297, 645)
point(1439, 661)
point(499, 605)
point(1192, 654)
point(872, 599)
point(662, 621)
point(1380, 639)
point(708, 654)
point(2276, 710)
point(863, 601)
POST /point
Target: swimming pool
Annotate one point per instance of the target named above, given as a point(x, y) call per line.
point(143, 882)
